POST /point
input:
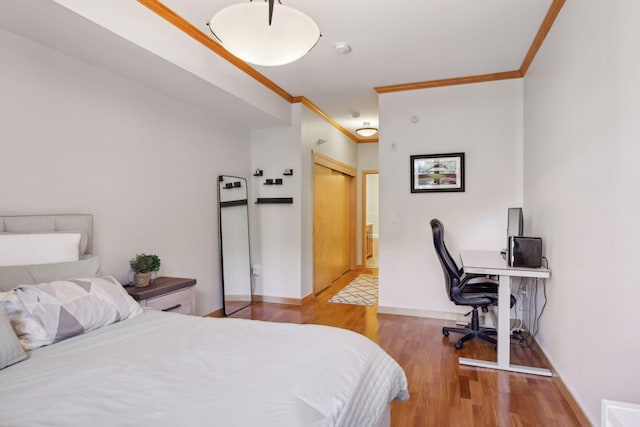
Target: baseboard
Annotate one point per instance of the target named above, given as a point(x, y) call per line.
point(442, 315)
point(217, 313)
point(283, 300)
point(266, 298)
point(236, 298)
point(571, 401)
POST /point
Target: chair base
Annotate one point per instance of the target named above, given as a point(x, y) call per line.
point(469, 334)
point(472, 332)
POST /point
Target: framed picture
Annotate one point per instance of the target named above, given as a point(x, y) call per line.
point(437, 173)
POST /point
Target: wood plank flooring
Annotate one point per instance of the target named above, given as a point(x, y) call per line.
point(442, 392)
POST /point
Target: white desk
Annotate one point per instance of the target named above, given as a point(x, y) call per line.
point(492, 263)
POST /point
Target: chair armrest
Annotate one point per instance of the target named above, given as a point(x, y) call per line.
point(484, 283)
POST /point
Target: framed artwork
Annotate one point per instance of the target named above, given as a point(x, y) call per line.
point(432, 173)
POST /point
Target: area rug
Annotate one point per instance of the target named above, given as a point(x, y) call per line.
point(363, 290)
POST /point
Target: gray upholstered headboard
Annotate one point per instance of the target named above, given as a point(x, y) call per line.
point(46, 223)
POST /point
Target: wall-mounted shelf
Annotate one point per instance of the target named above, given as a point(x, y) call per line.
point(273, 181)
point(260, 172)
point(230, 185)
point(233, 203)
point(274, 200)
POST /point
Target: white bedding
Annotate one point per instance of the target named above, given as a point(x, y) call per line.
point(164, 369)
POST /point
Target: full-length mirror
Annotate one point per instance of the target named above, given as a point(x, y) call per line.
point(235, 258)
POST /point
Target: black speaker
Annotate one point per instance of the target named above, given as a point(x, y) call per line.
point(525, 252)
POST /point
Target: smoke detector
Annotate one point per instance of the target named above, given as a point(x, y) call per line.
point(342, 48)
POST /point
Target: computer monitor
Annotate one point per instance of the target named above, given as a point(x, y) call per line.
point(514, 222)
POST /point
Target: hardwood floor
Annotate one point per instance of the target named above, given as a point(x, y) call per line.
point(442, 392)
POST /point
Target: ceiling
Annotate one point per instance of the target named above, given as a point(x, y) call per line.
point(393, 42)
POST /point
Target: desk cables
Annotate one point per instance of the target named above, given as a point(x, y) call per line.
point(533, 317)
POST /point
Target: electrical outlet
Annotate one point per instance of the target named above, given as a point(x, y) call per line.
point(256, 269)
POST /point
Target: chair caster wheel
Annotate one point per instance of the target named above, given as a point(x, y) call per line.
point(458, 345)
point(445, 333)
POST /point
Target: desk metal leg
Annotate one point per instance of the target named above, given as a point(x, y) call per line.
point(504, 321)
point(504, 339)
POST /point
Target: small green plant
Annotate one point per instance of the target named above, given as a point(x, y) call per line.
point(143, 263)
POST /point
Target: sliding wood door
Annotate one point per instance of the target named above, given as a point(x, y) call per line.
point(333, 224)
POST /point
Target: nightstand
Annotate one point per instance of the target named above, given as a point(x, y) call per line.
point(173, 294)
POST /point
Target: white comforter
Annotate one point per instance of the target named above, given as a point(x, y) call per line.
point(163, 369)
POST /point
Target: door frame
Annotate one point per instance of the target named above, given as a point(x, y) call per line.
point(352, 172)
point(364, 211)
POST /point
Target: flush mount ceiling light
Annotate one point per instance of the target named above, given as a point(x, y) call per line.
point(366, 131)
point(264, 33)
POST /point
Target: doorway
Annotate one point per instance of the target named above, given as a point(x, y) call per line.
point(333, 220)
point(370, 218)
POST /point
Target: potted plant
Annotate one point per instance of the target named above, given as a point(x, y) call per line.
point(142, 265)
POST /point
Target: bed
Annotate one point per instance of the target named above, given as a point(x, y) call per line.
point(166, 369)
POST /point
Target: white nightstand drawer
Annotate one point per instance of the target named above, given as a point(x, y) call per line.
point(177, 302)
point(176, 294)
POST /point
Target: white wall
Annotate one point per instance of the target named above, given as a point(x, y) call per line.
point(485, 122)
point(77, 139)
point(367, 160)
point(283, 234)
point(372, 190)
point(277, 238)
point(580, 194)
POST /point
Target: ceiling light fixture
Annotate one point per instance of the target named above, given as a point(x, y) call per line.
point(366, 131)
point(264, 33)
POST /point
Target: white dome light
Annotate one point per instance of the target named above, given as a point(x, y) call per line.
point(244, 30)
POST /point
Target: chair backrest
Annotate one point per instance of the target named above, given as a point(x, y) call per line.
point(451, 271)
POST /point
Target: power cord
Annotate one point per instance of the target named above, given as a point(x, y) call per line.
point(519, 307)
point(528, 338)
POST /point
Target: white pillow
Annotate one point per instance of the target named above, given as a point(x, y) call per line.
point(84, 237)
point(35, 248)
point(50, 312)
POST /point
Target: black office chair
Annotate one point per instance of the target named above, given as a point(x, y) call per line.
point(465, 289)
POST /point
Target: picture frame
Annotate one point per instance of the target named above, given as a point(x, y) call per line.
point(437, 173)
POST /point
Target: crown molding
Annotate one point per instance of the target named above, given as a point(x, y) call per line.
point(515, 74)
point(544, 29)
point(179, 22)
point(182, 24)
point(313, 107)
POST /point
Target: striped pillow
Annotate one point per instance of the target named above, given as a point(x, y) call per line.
point(10, 349)
point(50, 312)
